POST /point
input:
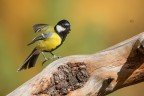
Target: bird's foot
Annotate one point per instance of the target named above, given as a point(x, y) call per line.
point(46, 59)
point(53, 57)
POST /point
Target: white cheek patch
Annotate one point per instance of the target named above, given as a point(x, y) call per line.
point(60, 28)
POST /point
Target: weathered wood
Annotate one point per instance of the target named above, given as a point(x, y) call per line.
point(90, 75)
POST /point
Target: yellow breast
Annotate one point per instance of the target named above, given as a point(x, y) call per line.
point(50, 43)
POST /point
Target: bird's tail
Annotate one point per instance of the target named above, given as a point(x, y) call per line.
point(31, 60)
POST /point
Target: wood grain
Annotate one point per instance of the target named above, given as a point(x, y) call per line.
point(90, 75)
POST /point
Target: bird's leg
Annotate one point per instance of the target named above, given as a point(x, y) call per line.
point(54, 56)
point(45, 58)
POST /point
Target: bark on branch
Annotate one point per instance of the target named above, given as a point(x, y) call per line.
point(90, 75)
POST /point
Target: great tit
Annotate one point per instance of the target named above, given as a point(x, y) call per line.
point(50, 39)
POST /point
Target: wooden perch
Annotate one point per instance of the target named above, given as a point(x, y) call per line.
point(90, 75)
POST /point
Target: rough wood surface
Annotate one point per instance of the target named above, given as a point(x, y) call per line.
point(90, 75)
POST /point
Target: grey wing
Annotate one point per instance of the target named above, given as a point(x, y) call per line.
point(41, 37)
point(40, 27)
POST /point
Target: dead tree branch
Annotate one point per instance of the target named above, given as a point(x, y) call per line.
point(90, 75)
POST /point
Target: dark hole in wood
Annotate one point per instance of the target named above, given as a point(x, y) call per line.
point(69, 77)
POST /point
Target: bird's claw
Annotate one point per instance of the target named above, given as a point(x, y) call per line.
point(46, 59)
point(53, 57)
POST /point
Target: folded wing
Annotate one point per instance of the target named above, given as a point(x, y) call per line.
point(43, 36)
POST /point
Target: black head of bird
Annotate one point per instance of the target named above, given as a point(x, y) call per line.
point(62, 26)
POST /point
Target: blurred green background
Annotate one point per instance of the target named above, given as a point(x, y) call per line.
point(95, 24)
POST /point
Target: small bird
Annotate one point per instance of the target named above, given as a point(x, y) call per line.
point(50, 39)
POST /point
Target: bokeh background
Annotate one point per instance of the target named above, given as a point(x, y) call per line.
point(95, 24)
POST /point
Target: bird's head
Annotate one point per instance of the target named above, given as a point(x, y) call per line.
point(63, 26)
